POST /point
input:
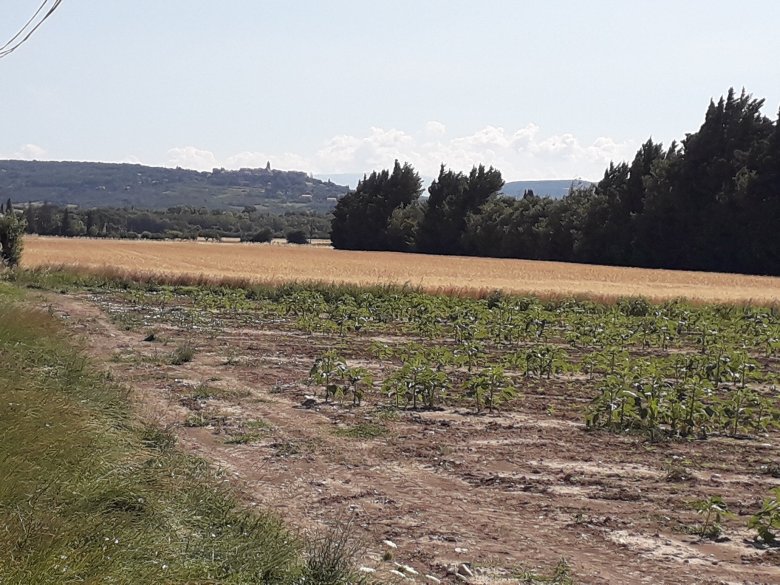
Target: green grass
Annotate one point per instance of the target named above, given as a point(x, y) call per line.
point(9, 292)
point(90, 495)
point(362, 431)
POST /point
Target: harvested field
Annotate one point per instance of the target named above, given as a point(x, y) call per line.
point(277, 264)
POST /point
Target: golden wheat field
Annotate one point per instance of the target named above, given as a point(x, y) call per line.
point(265, 263)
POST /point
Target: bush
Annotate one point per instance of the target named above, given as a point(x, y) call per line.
point(262, 236)
point(11, 232)
point(174, 235)
point(211, 235)
point(297, 237)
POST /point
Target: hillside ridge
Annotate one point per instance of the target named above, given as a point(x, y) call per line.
point(98, 184)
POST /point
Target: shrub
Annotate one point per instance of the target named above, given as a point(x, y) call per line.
point(262, 236)
point(297, 237)
point(211, 235)
point(11, 232)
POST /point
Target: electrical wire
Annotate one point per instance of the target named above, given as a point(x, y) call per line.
point(26, 32)
point(26, 24)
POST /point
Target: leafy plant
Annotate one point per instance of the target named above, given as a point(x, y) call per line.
point(416, 381)
point(356, 381)
point(713, 510)
point(328, 370)
point(766, 522)
point(490, 388)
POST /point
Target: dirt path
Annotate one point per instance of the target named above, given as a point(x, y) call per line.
point(519, 490)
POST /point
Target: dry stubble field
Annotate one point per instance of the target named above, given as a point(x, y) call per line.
point(281, 263)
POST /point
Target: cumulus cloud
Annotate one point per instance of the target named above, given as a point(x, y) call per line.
point(520, 153)
point(434, 128)
point(190, 157)
point(28, 152)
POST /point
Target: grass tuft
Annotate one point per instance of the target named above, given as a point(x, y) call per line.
point(362, 431)
point(183, 354)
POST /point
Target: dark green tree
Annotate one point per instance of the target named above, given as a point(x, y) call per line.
point(65, 223)
point(297, 237)
point(452, 197)
point(361, 218)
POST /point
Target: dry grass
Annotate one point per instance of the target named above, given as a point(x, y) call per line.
point(245, 263)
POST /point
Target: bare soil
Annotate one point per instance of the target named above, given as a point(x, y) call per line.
point(505, 492)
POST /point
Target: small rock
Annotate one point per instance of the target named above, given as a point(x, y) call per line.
point(399, 574)
point(432, 579)
point(309, 402)
point(465, 570)
point(367, 570)
point(462, 578)
point(461, 550)
point(390, 544)
point(406, 569)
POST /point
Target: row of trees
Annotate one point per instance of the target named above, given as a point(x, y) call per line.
point(175, 222)
point(710, 202)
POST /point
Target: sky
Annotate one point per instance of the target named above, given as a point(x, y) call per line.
point(538, 89)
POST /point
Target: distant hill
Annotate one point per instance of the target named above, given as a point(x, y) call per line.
point(349, 179)
point(554, 188)
point(90, 184)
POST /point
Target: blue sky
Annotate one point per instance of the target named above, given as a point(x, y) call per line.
point(551, 89)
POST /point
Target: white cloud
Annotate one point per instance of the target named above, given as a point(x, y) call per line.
point(189, 157)
point(521, 153)
point(434, 128)
point(29, 152)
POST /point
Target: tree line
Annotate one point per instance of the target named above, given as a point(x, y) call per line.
point(173, 223)
point(709, 202)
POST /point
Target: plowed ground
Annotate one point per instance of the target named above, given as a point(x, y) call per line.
point(506, 492)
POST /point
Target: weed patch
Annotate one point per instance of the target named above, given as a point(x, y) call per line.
point(362, 431)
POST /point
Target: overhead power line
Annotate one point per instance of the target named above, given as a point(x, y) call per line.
point(35, 21)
